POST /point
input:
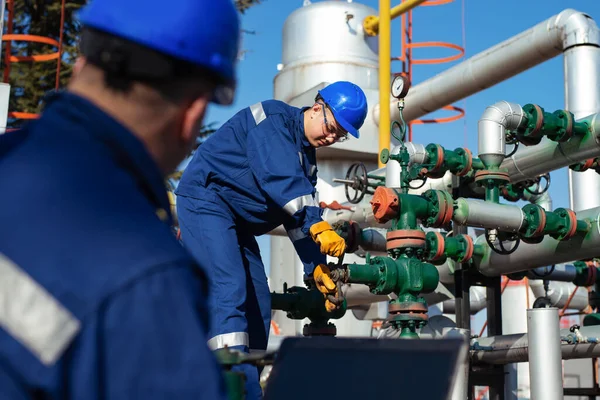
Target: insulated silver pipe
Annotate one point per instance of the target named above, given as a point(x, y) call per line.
point(582, 98)
point(477, 301)
point(559, 294)
point(515, 55)
point(558, 272)
point(492, 126)
point(506, 349)
point(531, 161)
point(485, 214)
point(393, 169)
point(548, 252)
point(545, 358)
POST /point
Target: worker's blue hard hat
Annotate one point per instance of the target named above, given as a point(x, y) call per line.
point(348, 104)
point(205, 33)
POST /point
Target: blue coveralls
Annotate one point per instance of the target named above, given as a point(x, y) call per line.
point(255, 173)
point(98, 299)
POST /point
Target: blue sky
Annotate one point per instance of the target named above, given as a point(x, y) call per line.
point(486, 23)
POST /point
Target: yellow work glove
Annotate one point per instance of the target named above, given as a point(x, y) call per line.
point(330, 242)
point(325, 285)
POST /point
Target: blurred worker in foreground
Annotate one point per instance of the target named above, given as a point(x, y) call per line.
point(256, 172)
point(98, 299)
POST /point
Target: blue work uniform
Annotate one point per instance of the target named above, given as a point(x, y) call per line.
point(98, 299)
point(256, 172)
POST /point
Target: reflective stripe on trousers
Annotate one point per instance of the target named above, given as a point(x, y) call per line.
point(229, 340)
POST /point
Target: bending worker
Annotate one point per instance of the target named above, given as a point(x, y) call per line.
point(256, 172)
point(98, 299)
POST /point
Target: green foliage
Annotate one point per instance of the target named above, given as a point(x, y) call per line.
point(30, 81)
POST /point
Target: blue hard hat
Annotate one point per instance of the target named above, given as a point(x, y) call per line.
point(348, 104)
point(203, 32)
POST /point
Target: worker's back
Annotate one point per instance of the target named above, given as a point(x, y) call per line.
point(233, 162)
point(97, 298)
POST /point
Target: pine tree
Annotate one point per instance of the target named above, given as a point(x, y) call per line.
point(30, 81)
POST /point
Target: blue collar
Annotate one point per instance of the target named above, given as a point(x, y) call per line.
point(300, 127)
point(128, 151)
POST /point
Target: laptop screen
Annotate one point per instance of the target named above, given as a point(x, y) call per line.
point(363, 368)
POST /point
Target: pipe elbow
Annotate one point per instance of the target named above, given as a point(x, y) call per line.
point(577, 28)
point(508, 115)
point(492, 127)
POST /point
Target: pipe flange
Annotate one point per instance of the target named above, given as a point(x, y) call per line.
point(407, 307)
point(569, 224)
point(436, 157)
point(468, 246)
point(583, 166)
point(535, 216)
point(405, 238)
point(566, 131)
point(466, 153)
point(441, 210)
point(591, 276)
point(434, 246)
point(495, 175)
point(509, 193)
point(385, 204)
point(532, 134)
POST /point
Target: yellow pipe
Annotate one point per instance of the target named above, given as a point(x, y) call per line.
point(385, 72)
point(372, 22)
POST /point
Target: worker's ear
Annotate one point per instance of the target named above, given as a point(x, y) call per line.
point(193, 117)
point(78, 66)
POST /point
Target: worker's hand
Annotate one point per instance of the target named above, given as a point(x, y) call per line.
point(330, 242)
point(325, 285)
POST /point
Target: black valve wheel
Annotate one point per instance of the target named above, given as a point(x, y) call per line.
point(357, 183)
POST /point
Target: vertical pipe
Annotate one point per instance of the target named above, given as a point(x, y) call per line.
point(385, 72)
point(545, 357)
point(582, 98)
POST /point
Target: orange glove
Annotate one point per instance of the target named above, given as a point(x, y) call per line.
point(326, 285)
point(330, 242)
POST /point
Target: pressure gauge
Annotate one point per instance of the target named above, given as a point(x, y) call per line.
point(400, 86)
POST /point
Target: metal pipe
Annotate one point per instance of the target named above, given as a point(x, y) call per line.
point(357, 295)
point(385, 72)
point(477, 301)
point(531, 161)
point(506, 349)
point(558, 272)
point(517, 54)
point(559, 294)
point(371, 23)
point(417, 155)
point(492, 127)
point(485, 214)
point(545, 358)
point(543, 200)
point(582, 98)
point(548, 252)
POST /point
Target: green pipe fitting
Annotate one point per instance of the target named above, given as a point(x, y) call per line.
point(558, 126)
point(586, 274)
point(440, 160)
point(492, 191)
point(438, 248)
point(412, 207)
point(440, 207)
point(299, 303)
point(512, 192)
point(402, 276)
point(560, 224)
